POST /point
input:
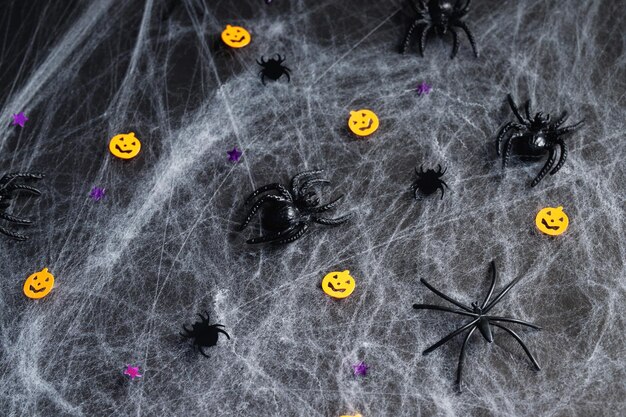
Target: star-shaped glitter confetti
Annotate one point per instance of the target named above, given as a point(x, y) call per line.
point(423, 88)
point(132, 372)
point(97, 193)
point(234, 155)
point(19, 119)
point(360, 369)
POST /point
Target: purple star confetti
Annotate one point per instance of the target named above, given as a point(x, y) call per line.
point(423, 88)
point(234, 155)
point(360, 369)
point(19, 119)
point(97, 193)
point(132, 372)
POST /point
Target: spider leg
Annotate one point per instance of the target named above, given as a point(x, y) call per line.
point(222, 331)
point(441, 308)
point(463, 26)
point(270, 187)
point(545, 169)
point(459, 369)
point(189, 332)
point(562, 119)
point(450, 336)
point(203, 318)
point(14, 187)
point(409, 34)
point(263, 78)
point(519, 340)
point(258, 205)
point(272, 237)
point(14, 219)
point(502, 294)
point(328, 206)
point(331, 222)
point(455, 43)
point(562, 158)
point(15, 236)
point(515, 109)
point(502, 134)
point(568, 129)
point(510, 320)
point(508, 147)
point(527, 109)
point(286, 72)
point(492, 286)
point(445, 297)
point(298, 232)
point(26, 176)
point(442, 189)
point(440, 171)
point(260, 63)
point(423, 38)
point(307, 184)
point(202, 351)
point(295, 181)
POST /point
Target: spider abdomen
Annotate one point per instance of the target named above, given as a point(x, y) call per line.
point(279, 215)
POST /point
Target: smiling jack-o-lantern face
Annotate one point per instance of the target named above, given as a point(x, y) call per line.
point(552, 220)
point(338, 284)
point(363, 122)
point(125, 146)
point(39, 284)
point(236, 36)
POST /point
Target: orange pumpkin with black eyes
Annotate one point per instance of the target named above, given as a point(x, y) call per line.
point(39, 284)
point(125, 146)
point(236, 36)
point(338, 284)
point(552, 221)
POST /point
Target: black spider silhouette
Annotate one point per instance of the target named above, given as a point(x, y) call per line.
point(7, 189)
point(440, 16)
point(479, 319)
point(273, 69)
point(428, 182)
point(541, 137)
point(203, 333)
point(287, 214)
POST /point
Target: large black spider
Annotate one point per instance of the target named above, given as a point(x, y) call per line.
point(541, 137)
point(429, 181)
point(203, 333)
point(273, 69)
point(440, 16)
point(7, 189)
point(479, 319)
point(287, 214)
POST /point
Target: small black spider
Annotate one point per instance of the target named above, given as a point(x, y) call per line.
point(440, 16)
point(541, 137)
point(7, 189)
point(273, 69)
point(203, 333)
point(287, 214)
point(479, 320)
point(428, 182)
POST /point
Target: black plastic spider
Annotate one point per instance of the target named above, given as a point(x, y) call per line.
point(541, 137)
point(7, 189)
point(440, 15)
point(428, 182)
point(203, 333)
point(273, 69)
point(288, 214)
point(479, 320)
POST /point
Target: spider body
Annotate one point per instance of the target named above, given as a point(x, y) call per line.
point(287, 213)
point(273, 68)
point(203, 333)
point(8, 187)
point(429, 181)
point(480, 319)
point(539, 136)
point(440, 16)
